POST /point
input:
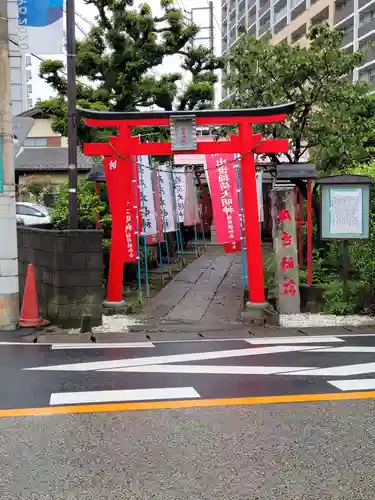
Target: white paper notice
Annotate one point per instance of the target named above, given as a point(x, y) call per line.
point(346, 211)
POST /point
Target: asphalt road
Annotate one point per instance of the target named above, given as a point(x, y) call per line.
point(220, 434)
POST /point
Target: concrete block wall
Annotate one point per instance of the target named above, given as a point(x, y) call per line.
point(69, 273)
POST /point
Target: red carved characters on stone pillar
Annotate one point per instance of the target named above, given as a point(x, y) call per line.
point(286, 249)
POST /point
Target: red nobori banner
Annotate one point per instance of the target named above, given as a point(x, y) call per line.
point(122, 201)
point(222, 180)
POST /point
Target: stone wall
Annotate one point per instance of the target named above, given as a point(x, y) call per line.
point(69, 273)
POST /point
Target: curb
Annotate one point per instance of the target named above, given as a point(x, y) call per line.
point(160, 335)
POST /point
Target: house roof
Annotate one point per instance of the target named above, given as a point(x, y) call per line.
point(49, 159)
point(33, 112)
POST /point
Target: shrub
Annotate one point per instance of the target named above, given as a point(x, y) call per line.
point(334, 299)
point(88, 205)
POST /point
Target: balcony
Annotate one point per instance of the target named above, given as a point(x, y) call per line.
point(263, 28)
point(362, 3)
point(251, 20)
point(297, 7)
point(232, 19)
point(321, 17)
point(369, 55)
point(232, 36)
point(224, 12)
point(241, 27)
point(252, 30)
point(348, 37)
point(366, 28)
point(241, 9)
point(280, 13)
point(280, 25)
point(264, 6)
point(298, 33)
point(344, 10)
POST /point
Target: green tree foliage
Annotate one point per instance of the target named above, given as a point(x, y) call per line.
point(117, 59)
point(333, 117)
point(88, 206)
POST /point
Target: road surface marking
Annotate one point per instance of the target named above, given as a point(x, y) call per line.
point(172, 358)
point(360, 384)
point(348, 348)
point(69, 398)
point(208, 369)
point(192, 403)
point(103, 345)
point(338, 371)
point(294, 340)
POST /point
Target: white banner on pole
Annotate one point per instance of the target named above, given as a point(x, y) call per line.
point(179, 180)
point(149, 225)
point(40, 26)
point(166, 198)
point(191, 212)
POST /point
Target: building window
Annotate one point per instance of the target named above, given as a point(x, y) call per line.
point(35, 142)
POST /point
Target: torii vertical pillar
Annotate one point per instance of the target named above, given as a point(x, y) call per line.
point(257, 302)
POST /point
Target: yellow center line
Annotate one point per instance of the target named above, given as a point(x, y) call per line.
point(191, 403)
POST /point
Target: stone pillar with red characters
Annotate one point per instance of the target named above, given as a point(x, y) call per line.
point(285, 248)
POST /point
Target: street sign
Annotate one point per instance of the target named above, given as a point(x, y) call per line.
point(21, 127)
point(183, 133)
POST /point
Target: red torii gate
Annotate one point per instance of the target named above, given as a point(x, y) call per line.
point(245, 143)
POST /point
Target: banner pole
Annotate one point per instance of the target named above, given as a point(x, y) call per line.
point(200, 212)
point(166, 234)
point(136, 188)
point(161, 266)
point(242, 236)
point(145, 256)
point(197, 253)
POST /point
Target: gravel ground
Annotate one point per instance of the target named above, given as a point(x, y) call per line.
point(307, 320)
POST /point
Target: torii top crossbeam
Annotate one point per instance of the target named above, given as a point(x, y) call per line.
point(269, 114)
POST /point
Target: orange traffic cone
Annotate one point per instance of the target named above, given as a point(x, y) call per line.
point(30, 308)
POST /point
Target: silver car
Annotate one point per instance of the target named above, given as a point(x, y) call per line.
point(32, 214)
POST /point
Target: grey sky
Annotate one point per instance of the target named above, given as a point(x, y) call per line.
point(43, 91)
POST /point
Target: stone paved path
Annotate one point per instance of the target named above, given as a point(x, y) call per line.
point(208, 291)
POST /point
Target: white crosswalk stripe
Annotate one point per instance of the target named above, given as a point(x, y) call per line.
point(70, 398)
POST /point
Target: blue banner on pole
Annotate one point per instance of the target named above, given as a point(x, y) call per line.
point(38, 21)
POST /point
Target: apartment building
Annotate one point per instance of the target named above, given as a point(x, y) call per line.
point(20, 65)
point(289, 20)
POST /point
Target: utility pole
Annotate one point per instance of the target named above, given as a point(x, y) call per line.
point(72, 113)
point(9, 299)
point(211, 24)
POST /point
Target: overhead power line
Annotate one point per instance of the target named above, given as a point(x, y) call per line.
point(43, 60)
